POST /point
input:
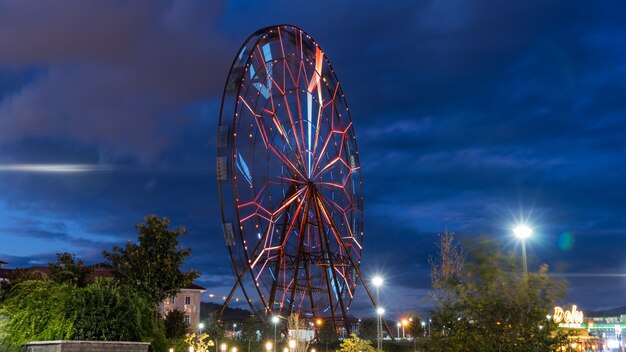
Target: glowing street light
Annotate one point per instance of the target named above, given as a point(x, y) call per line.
point(399, 325)
point(523, 232)
point(404, 323)
point(268, 346)
point(292, 344)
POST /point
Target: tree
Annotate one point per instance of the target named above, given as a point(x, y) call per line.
point(249, 331)
point(106, 311)
point(69, 269)
point(295, 326)
point(199, 341)
point(214, 328)
point(153, 264)
point(368, 328)
point(47, 310)
point(355, 344)
point(491, 307)
point(414, 328)
point(175, 327)
point(37, 310)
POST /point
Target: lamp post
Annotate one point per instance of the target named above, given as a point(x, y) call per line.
point(268, 346)
point(404, 323)
point(275, 321)
point(424, 327)
point(523, 232)
point(398, 325)
point(380, 312)
point(378, 281)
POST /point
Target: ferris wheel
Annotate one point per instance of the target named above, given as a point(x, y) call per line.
point(289, 178)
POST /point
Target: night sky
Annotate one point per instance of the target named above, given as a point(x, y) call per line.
point(470, 116)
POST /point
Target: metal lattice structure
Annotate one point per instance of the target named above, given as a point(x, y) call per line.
point(289, 178)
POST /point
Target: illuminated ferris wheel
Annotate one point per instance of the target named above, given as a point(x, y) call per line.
point(289, 178)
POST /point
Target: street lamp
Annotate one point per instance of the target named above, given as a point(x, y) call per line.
point(378, 281)
point(223, 347)
point(268, 346)
point(399, 325)
point(292, 344)
point(275, 321)
point(523, 232)
point(200, 326)
point(424, 327)
point(404, 323)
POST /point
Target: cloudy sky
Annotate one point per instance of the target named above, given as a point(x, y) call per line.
point(470, 116)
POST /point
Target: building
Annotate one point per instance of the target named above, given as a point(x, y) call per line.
point(188, 300)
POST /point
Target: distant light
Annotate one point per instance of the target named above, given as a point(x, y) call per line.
point(201, 326)
point(268, 345)
point(380, 311)
point(522, 231)
point(399, 325)
point(275, 319)
point(377, 281)
point(292, 343)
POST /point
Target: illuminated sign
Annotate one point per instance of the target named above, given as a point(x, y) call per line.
point(567, 316)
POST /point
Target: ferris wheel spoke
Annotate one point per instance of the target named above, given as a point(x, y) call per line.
point(286, 162)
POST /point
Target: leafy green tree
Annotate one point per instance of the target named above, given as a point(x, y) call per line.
point(215, 329)
point(107, 311)
point(355, 344)
point(249, 332)
point(491, 307)
point(414, 328)
point(175, 327)
point(69, 269)
point(46, 310)
point(153, 265)
point(368, 328)
point(37, 310)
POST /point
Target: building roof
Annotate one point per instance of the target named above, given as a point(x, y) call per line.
point(5, 273)
point(194, 287)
